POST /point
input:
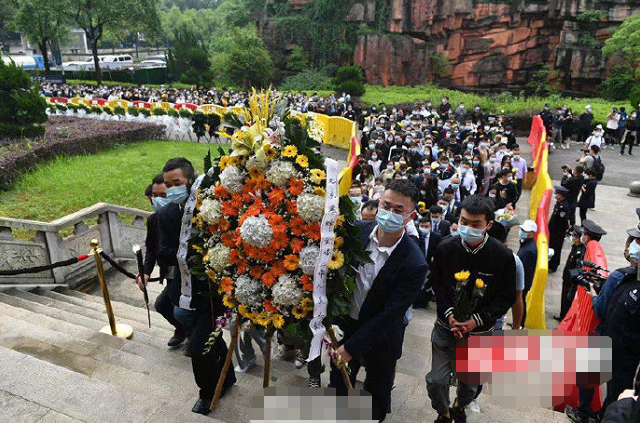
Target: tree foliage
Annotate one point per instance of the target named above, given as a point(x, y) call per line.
point(624, 45)
point(22, 108)
point(349, 79)
point(188, 59)
point(247, 62)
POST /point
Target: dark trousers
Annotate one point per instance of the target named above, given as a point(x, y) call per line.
point(164, 306)
point(556, 240)
point(573, 205)
point(380, 366)
point(627, 140)
point(583, 213)
point(565, 297)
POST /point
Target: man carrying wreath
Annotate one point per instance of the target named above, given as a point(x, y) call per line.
point(385, 288)
point(487, 271)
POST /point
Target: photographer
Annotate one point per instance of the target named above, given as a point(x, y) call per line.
point(572, 179)
point(618, 307)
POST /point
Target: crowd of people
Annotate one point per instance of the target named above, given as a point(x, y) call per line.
point(437, 191)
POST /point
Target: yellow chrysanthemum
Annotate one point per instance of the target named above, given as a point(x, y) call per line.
point(254, 172)
point(298, 312)
point(319, 191)
point(224, 161)
point(269, 151)
point(307, 304)
point(337, 260)
point(205, 258)
point(338, 242)
point(234, 160)
point(211, 274)
point(302, 160)
point(479, 283)
point(317, 176)
point(262, 319)
point(242, 309)
point(277, 321)
point(421, 205)
point(228, 301)
point(340, 220)
point(462, 276)
point(290, 151)
point(197, 248)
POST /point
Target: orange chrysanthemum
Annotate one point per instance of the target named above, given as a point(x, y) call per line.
point(229, 239)
point(226, 284)
point(277, 268)
point(296, 186)
point(254, 172)
point(297, 245)
point(313, 231)
point(224, 224)
point(292, 207)
point(307, 283)
point(257, 272)
point(228, 209)
point(269, 307)
point(276, 222)
point(234, 256)
point(268, 279)
point(220, 192)
point(242, 266)
point(291, 262)
point(279, 241)
point(276, 196)
point(297, 226)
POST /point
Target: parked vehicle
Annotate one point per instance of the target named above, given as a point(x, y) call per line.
point(153, 64)
point(26, 62)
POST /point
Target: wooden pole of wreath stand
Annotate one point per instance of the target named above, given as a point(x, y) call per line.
point(345, 375)
point(267, 356)
point(227, 363)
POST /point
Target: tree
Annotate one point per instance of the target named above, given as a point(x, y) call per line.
point(96, 16)
point(187, 59)
point(624, 45)
point(248, 62)
point(41, 21)
point(349, 80)
point(22, 108)
point(7, 11)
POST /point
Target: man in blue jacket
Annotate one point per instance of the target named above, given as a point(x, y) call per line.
point(385, 288)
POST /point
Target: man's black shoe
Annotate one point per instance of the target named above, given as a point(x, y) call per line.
point(458, 415)
point(202, 406)
point(177, 338)
point(442, 419)
point(575, 416)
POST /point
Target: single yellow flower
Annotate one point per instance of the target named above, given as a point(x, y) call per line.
point(317, 176)
point(242, 309)
point(319, 191)
point(298, 312)
point(302, 160)
point(254, 172)
point(234, 160)
point(421, 205)
point(269, 151)
point(228, 301)
point(338, 242)
point(462, 276)
point(337, 260)
point(479, 283)
point(277, 321)
point(211, 274)
point(340, 220)
point(262, 319)
point(307, 304)
point(205, 258)
point(290, 151)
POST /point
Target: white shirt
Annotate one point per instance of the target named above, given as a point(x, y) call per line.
point(368, 272)
point(594, 140)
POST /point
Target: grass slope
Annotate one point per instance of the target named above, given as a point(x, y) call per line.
point(118, 175)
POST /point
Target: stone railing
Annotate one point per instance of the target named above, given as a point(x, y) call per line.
point(65, 238)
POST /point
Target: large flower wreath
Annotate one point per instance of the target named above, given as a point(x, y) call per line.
point(256, 231)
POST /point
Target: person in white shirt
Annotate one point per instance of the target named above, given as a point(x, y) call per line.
point(375, 163)
point(611, 133)
point(468, 178)
point(597, 138)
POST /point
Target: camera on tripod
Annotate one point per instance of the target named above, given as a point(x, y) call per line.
point(587, 274)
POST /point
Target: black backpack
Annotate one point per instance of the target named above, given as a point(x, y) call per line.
point(598, 167)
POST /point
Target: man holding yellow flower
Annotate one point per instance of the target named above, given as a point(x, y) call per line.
point(474, 282)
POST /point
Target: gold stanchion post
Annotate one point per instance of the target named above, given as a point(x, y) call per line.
point(119, 330)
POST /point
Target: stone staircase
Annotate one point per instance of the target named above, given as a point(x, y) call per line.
point(56, 367)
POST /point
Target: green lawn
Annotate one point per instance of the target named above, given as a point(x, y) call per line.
point(118, 175)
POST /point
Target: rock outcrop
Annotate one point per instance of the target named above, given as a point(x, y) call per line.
point(488, 43)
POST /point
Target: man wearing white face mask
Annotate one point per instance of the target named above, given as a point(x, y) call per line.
point(385, 289)
point(484, 258)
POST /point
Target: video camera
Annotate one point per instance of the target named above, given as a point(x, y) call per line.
point(587, 274)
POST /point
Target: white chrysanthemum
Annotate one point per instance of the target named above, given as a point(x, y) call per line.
point(256, 231)
point(280, 172)
point(248, 291)
point(257, 162)
point(231, 179)
point(309, 258)
point(286, 291)
point(210, 211)
point(310, 207)
point(219, 257)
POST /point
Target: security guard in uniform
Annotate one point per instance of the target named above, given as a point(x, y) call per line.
point(575, 255)
point(558, 225)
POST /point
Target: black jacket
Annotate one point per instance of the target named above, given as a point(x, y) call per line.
point(169, 223)
point(493, 263)
point(380, 324)
point(528, 254)
point(559, 221)
point(434, 241)
point(574, 185)
point(151, 244)
point(588, 197)
point(444, 227)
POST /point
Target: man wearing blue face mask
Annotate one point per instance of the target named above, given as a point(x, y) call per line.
point(385, 289)
point(484, 258)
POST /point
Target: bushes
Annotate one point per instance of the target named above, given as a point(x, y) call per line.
point(71, 136)
point(158, 111)
point(349, 80)
point(20, 102)
point(132, 110)
point(173, 113)
point(307, 81)
point(618, 85)
point(11, 131)
point(634, 97)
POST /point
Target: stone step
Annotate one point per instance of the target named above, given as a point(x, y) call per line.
point(92, 314)
point(121, 310)
point(16, 409)
point(76, 319)
point(164, 355)
point(73, 394)
point(67, 351)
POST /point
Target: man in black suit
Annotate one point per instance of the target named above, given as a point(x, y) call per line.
point(428, 241)
point(449, 216)
point(438, 224)
point(385, 289)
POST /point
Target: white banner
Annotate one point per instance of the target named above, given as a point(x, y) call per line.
point(331, 213)
point(185, 234)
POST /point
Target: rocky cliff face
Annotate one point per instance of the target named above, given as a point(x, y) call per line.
point(488, 43)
